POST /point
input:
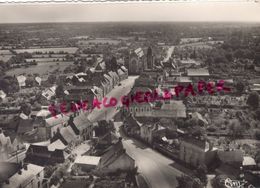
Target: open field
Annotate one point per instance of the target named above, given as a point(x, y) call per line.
point(40, 68)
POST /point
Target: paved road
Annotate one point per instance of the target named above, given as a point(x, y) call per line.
point(155, 167)
point(117, 92)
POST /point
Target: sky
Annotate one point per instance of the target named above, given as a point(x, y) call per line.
point(120, 12)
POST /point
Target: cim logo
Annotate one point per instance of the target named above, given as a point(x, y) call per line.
point(236, 184)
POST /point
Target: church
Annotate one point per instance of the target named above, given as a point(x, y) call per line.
point(139, 62)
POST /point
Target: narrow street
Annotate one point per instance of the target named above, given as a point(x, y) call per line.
point(117, 92)
point(155, 167)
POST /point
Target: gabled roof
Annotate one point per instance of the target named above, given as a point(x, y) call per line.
point(2, 94)
point(26, 176)
point(81, 122)
point(57, 145)
point(68, 134)
point(130, 120)
point(90, 160)
point(107, 77)
point(124, 68)
point(139, 52)
point(120, 72)
point(59, 119)
point(112, 153)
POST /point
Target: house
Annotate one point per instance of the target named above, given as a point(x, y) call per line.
point(105, 141)
point(249, 163)
point(200, 73)
point(232, 157)
point(7, 170)
point(183, 80)
point(87, 163)
point(197, 116)
point(131, 125)
point(109, 82)
point(2, 94)
point(21, 80)
point(150, 131)
point(66, 135)
point(46, 154)
point(115, 78)
point(30, 176)
point(80, 93)
point(101, 66)
point(54, 123)
point(9, 144)
point(124, 69)
point(121, 74)
point(49, 92)
point(196, 151)
point(140, 110)
point(137, 63)
point(160, 109)
point(116, 159)
point(81, 126)
point(171, 109)
point(98, 92)
point(5, 146)
point(230, 163)
point(24, 126)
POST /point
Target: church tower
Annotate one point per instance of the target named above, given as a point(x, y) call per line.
point(149, 58)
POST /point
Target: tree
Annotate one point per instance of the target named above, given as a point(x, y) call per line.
point(26, 108)
point(240, 87)
point(185, 181)
point(236, 130)
point(253, 100)
point(201, 173)
point(52, 79)
point(257, 156)
point(257, 134)
point(59, 91)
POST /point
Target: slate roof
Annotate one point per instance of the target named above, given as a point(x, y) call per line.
point(68, 134)
point(227, 157)
point(203, 144)
point(7, 170)
point(112, 153)
point(81, 122)
point(57, 145)
point(24, 125)
point(22, 180)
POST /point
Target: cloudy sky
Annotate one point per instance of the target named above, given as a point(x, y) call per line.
point(192, 11)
